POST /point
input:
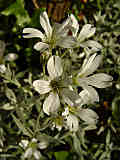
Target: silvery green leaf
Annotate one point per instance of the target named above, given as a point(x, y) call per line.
point(108, 138)
point(21, 126)
point(10, 95)
point(7, 107)
point(2, 48)
point(90, 127)
point(77, 146)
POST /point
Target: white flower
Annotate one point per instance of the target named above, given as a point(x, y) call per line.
point(52, 102)
point(74, 112)
point(56, 36)
point(24, 143)
point(99, 80)
point(55, 86)
point(2, 68)
point(11, 57)
point(86, 32)
point(31, 148)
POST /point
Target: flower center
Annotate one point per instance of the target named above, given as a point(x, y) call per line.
point(55, 84)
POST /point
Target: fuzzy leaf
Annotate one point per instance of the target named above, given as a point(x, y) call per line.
point(11, 95)
point(21, 126)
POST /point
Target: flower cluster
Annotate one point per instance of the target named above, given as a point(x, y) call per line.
point(64, 102)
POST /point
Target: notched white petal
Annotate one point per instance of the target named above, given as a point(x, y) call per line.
point(86, 32)
point(44, 21)
point(72, 123)
point(54, 67)
point(32, 33)
point(67, 42)
point(51, 104)
point(92, 44)
point(88, 115)
point(58, 66)
point(42, 86)
point(51, 68)
point(100, 80)
point(88, 96)
point(90, 65)
point(75, 25)
point(40, 46)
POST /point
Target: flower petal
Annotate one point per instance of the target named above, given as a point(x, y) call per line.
point(32, 33)
point(42, 86)
point(88, 96)
point(44, 21)
point(69, 96)
point(37, 154)
point(90, 65)
point(67, 42)
point(100, 80)
point(95, 46)
point(2, 68)
point(86, 32)
point(64, 26)
point(88, 115)
point(24, 143)
point(75, 25)
point(54, 67)
point(11, 57)
point(72, 123)
point(51, 104)
point(40, 46)
point(28, 153)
